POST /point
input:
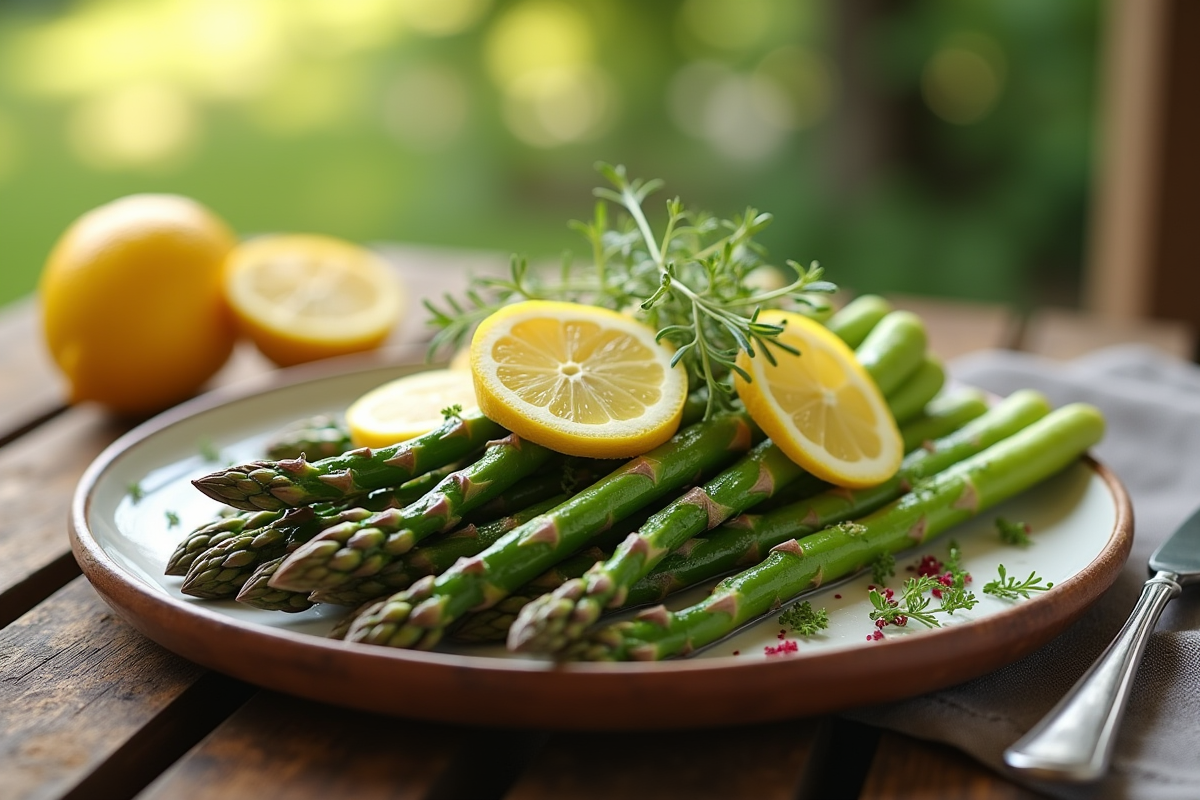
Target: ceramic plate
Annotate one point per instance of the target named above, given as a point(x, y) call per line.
point(1081, 518)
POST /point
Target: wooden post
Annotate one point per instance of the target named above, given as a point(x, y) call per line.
point(1144, 243)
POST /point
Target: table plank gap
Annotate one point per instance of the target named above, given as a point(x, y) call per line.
point(77, 685)
point(279, 746)
point(164, 739)
point(760, 762)
point(490, 764)
point(911, 769)
point(842, 757)
point(19, 597)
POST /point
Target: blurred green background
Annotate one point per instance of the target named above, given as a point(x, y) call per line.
point(932, 146)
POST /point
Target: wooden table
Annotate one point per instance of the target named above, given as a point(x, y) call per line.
point(90, 708)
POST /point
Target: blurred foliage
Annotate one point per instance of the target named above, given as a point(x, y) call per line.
point(933, 146)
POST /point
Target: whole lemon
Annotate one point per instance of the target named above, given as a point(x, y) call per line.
point(132, 305)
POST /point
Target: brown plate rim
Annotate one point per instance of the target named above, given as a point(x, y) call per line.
point(483, 690)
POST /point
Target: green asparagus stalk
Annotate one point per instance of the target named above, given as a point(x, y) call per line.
point(418, 616)
point(323, 436)
point(745, 539)
point(362, 548)
point(212, 534)
point(492, 624)
point(432, 559)
point(910, 397)
point(947, 499)
point(942, 417)
point(853, 321)
point(271, 485)
point(257, 592)
point(553, 621)
point(893, 350)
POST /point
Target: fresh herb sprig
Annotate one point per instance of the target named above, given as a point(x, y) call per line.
point(1008, 588)
point(1015, 533)
point(804, 620)
point(687, 281)
point(914, 604)
point(882, 568)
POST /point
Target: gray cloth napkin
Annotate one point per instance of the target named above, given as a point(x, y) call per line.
point(1152, 404)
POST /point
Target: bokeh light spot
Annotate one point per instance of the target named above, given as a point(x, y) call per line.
point(442, 17)
point(535, 36)
point(147, 125)
point(426, 107)
point(726, 24)
point(963, 80)
point(552, 107)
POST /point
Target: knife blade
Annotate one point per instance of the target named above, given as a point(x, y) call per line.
point(1074, 741)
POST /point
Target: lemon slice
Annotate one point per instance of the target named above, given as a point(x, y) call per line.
point(821, 408)
point(408, 407)
point(300, 298)
point(577, 379)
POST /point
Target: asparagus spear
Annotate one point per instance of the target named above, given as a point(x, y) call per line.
point(551, 622)
point(363, 547)
point(432, 559)
point(417, 616)
point(212, 534)
point(910, 397)
point(980, 482)
point(889, 364)
point(853, 321)
point(317, 437)
point(744, 540)
point(492, 624)
point(258, 593)
point(271, 485)
point(942, 417)
point(556, 619)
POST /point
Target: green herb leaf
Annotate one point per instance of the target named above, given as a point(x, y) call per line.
point(804, 620)
point(1010, 588)
point(1016, 533)
point(882, 568)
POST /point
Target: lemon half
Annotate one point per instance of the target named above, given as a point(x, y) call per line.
point(303, 297)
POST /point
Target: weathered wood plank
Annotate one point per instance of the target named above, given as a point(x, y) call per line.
point(31, 389)
point(956, 327)
point(1064, 334)
point(38, 473)
point(278, 746)
point(760, 762)
point(910, 769)
point(91, 707)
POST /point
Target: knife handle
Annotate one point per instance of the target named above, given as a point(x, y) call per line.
point(1074, 741)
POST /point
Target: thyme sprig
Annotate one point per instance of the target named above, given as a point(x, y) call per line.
point(1008, 588)
point(687, 281)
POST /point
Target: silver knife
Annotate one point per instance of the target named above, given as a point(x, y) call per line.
point(1075, 740)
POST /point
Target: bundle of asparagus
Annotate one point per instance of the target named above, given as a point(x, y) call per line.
point(473, 531)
